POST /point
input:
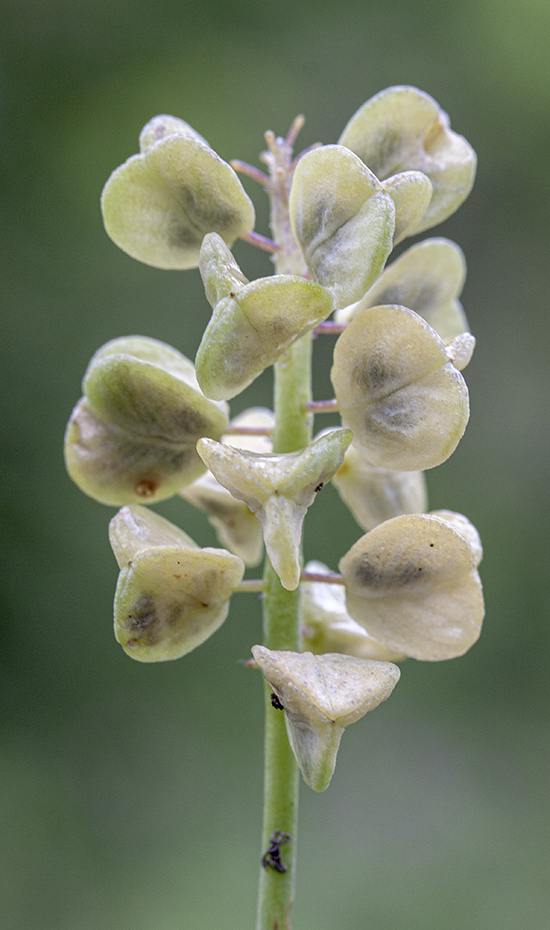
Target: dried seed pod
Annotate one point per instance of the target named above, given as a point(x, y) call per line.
point(278, 489)
point(322, 695)
point(327, 625)
point(171, 595)
point(397, 390)
point(253, 324)
point(132, 437)
point(403, 129)
point(412, 583)
point(375, 494)
point(428, 278)
point(160, 204)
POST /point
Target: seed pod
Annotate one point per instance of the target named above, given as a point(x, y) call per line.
point(252, 324)
point(327, 625)
point(404, 129)
point(343, 219)
point(237, 527)
point(428, 279)
point(322, 695)
point(278, 489)
point(133, 435)
point(160, 204)
point(171, 595)
point(397, 390)
point(412, 583)
point(375, 494)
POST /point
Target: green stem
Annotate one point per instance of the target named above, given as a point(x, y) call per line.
point(281, 615)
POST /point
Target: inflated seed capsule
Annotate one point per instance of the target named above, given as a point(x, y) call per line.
point(160, 204)
point(236, 526)
point(402, 129)
point(343, 219)
point(322, 695)
point(412, 583)
point(171, 595)
point(278, 489)
point(327, 626)
point(253, 324)
point(397, 390)
point(132, 437)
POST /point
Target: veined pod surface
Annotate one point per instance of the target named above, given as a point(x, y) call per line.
point(412, 582)
point(403, 129)
point(171, 595)
point(397, 390)
point(278, 489)
point(160, 204)
point(321, 695)
point(133, 435)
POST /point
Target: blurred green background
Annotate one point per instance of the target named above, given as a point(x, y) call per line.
point(130, 795)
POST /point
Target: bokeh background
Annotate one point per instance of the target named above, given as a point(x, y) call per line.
point(130, 795)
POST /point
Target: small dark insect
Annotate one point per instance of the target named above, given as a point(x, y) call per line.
point(273, 855)
point(319, 487)
point(276, 702)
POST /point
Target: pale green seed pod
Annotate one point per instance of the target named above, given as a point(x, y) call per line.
point(397, 390)
point(412, 582)
point(278, 489)
point(132, 437)
point(428, 278)
point(160, 204)
point(237, 527)
point(343, 219)
point(171, 595)
point(460, 350)
point(321, 695)
point(327, 625)
point(375, 494)
point(252, 324)
point(404, 129)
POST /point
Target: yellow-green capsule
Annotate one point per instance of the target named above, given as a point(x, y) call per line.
point(278, 489)
point(132, 437)
point(253, 324)
point(171, 595)
point(160, 204)
point(403, 129)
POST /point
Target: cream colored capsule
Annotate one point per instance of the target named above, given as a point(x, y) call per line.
point(412, 583)
point(327, 626)
point(403, 129)
point(375, 494)
point(321, 695)
point(278, 489)
point(397, 390)
point(343, 219)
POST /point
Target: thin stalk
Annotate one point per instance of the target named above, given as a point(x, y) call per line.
point(281, 615)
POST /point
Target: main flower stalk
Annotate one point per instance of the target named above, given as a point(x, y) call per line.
point(281, 613)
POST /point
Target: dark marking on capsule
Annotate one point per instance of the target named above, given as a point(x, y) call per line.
point(147, 487)
point(319, 487)
point(377, 577)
